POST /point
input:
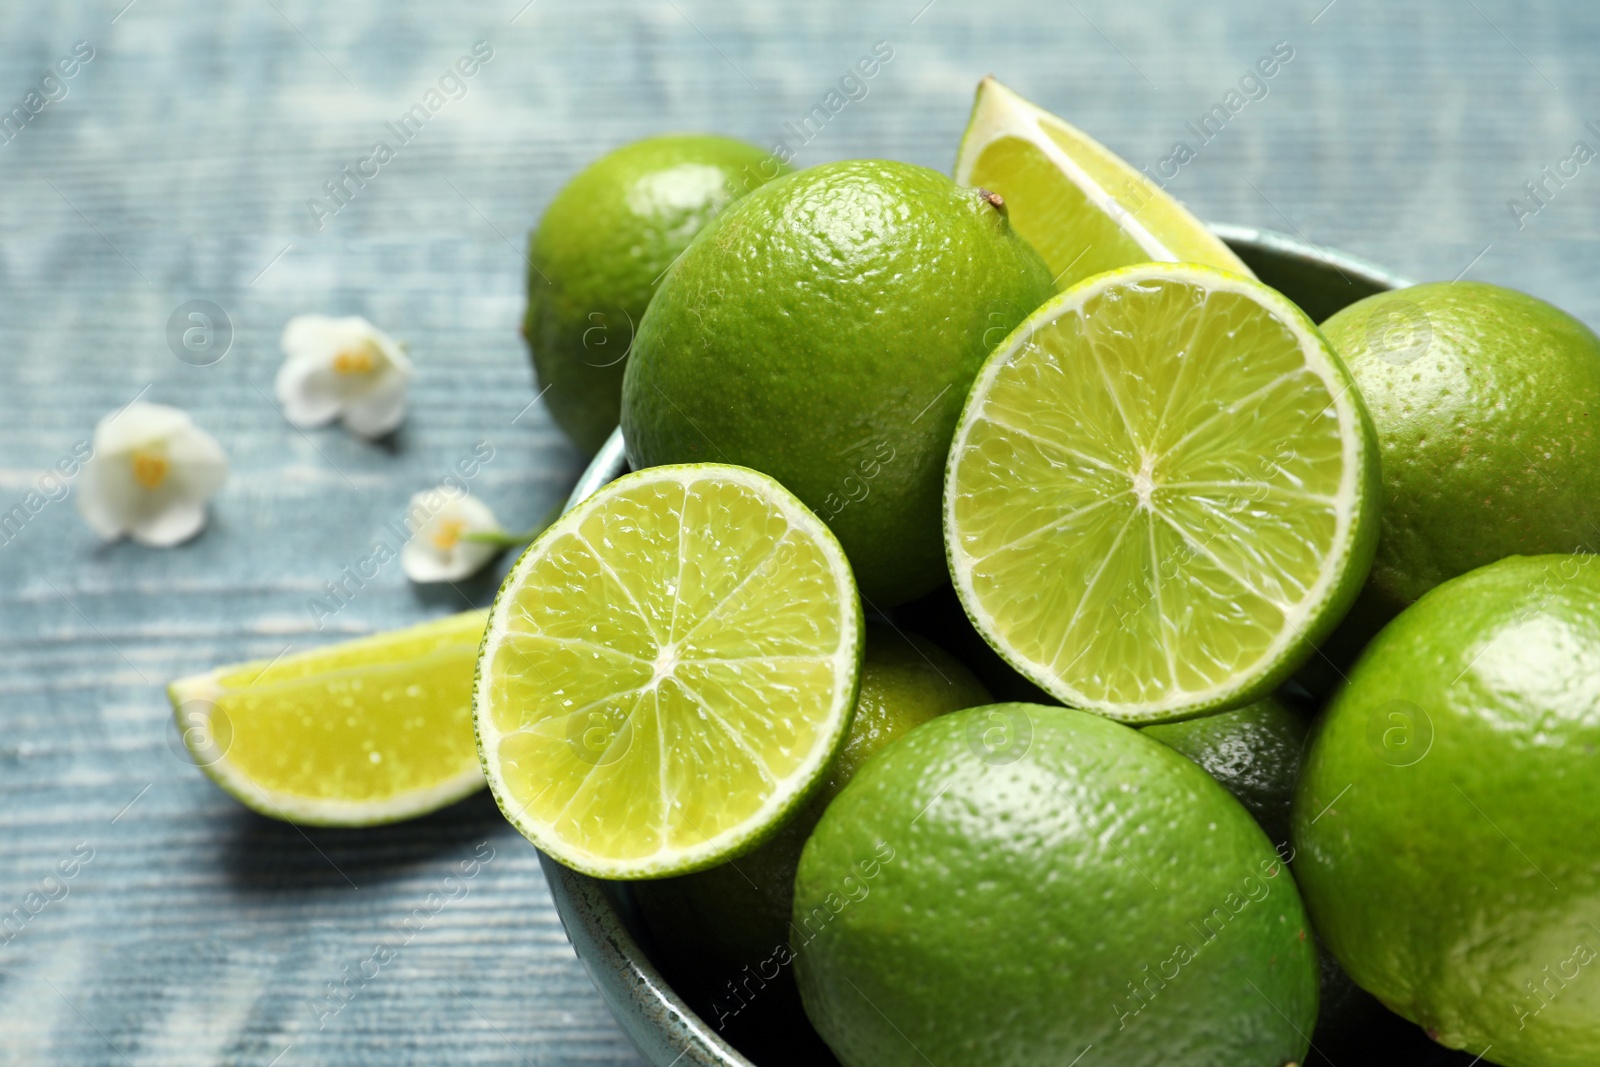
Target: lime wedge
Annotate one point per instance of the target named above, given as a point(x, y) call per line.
point(1162, 492)
point(1077, 202)
point(364, 732)
point(668, 671)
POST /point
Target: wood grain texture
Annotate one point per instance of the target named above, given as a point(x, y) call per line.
point(179, 165)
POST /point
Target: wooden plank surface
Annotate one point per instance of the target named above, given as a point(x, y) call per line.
point(178, 166)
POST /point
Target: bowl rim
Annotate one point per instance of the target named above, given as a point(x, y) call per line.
point(661, 1025)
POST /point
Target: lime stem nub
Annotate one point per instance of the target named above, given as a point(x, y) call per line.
point(995, 200)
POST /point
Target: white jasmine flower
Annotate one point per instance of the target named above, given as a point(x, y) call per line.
point(150, 476)
point(347, 367)
point(439, 550)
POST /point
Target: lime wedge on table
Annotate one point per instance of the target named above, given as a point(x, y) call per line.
point(1162, 492)
point(668, 671)
point(1077, 202)
point(368, 731)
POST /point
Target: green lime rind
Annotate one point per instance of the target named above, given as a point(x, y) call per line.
point(1109, 893)
point(1342, 558)
point(824, 329)
point(1484, 399)
point(599, 252)
point(1448, 817)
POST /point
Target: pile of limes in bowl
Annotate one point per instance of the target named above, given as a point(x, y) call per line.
point(1306, 614)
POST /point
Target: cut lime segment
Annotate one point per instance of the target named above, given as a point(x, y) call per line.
point(368, 731)
point(1162, 492)
point(668, 671)
point(1077, 202)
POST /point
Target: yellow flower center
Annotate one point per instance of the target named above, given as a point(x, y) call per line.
point(150, 469)
point(448, 535)
point(361, 360)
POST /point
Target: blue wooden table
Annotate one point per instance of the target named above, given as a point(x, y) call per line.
point(186, 157)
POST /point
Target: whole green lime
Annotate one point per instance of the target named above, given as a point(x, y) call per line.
point(825, 330)
point(1019, 884)
point(1253, 752)
point(1448, 817)
point(600, 251)
point(715, 924)
point(1487, 406)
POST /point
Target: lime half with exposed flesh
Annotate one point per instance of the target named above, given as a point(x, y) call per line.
point(1162, 492)
point(668, 672)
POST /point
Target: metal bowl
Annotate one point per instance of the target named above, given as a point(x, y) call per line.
point(599, 917)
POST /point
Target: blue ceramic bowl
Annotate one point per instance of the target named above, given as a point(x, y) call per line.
point(599, 917)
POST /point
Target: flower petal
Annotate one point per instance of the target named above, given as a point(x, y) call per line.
point(199, 466)
point(429, 558)
point(381, 408)
point(308, 392)
point(310, 336)
point(320, 337)
point(151, 473)
point(474, 513)
point(104, 501)
point(316, 383)
point(392, 350)
point(175, 522)
point(422, 564)
point(138, 424)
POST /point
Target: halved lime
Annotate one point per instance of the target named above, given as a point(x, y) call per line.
point(668, 671)
point(1076, 201)
point(368, 731)
point(1162, 492)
